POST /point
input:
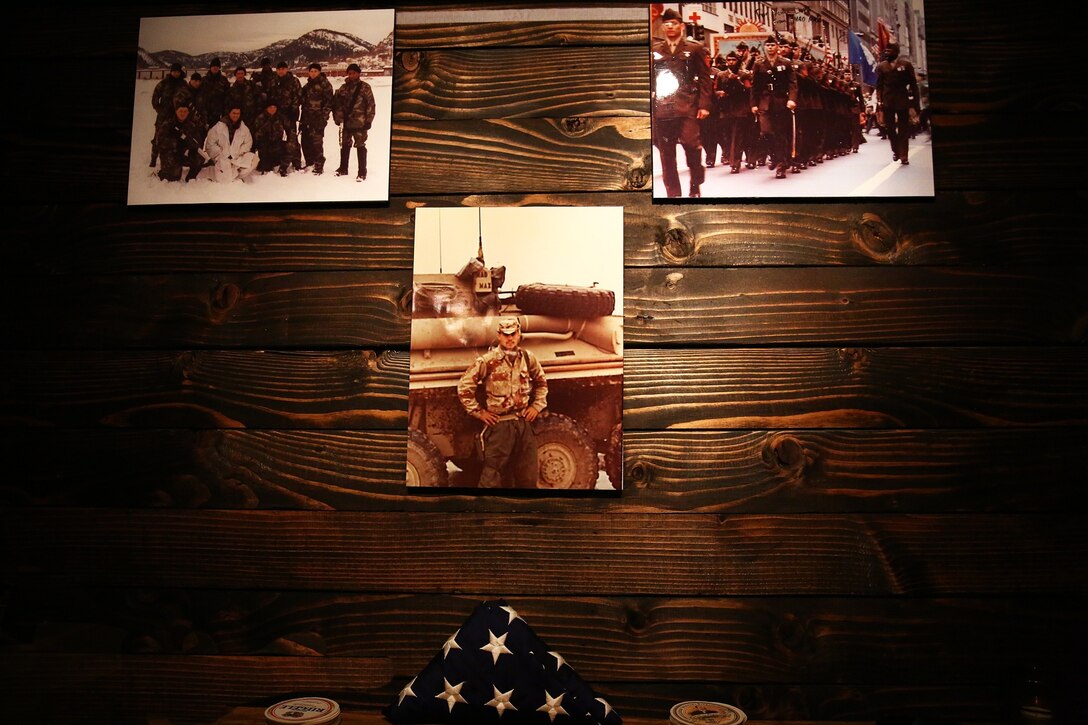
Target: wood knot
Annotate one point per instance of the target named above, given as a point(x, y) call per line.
point(791, 632)
point(574, 126)
point(635, 619)
point(677, 243)
point(784, 452)
point(409, 59)
point(184, 364)
point(404, 302)
point(854, 358)
point(872, 235)
point(640, 475)
point(225, 297)
point(637, 178)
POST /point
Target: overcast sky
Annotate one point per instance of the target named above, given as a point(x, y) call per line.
point(553, 245)
point(198, 34)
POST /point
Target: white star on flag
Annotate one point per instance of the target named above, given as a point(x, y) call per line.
point(559, 661)
point(497, 646)
point(513, 615)
point(407, 691)
point(451, 643)
point(553, 705)
point(607, 707)
point(501, 701)
point(452, 695)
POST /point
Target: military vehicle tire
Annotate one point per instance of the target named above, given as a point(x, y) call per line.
point(561, 300)
point(426, 467)
point(566, 453)
point(613, 458)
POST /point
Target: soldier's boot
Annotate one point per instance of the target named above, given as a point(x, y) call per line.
point(193, 171)
point(154, 155)
point(319, 168)
point(345, 154)
point(361, 153)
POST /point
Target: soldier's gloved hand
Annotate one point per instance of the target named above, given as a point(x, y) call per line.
point(530, 414)
point(488, 417)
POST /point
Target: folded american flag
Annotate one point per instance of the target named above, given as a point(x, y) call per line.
point(494, 669)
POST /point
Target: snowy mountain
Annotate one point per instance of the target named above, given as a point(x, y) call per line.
point(321, 46)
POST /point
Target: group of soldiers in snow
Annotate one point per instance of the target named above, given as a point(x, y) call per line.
point(781, 108)
point(253, 124)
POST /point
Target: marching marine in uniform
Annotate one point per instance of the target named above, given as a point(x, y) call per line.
point(681, 91)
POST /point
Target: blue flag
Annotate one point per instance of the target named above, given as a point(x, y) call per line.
point(495, 669)
point(862, 56)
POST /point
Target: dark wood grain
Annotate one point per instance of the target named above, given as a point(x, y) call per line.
point(814, 306)
point(225, 310)
point(524, 33)
point(448, 85)
point(722, 388)
point(855, 388)
point(778, 640)
point(689, 554)
point(577, 154)
point(195, 689)
point(953, 229)
point(919, 305)
point(833, 471)
point(206, 389)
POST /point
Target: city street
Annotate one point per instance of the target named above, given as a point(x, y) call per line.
point(869, 172)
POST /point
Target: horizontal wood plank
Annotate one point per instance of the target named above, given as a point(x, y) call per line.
point(668, 306)
point(518, 156)
point(194, 689)
point(421, 35)
point(206, 389)
point(449, 85)
point(331, 309)
point(832, 471)
point(855, 388)
point(953, 229)
point(721, 389)
point(689, 554)
point(887, 306)
point(782, 640)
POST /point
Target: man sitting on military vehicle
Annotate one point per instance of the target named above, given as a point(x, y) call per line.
point(516, 392)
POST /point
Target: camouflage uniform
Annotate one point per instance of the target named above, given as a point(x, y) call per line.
point(353, 107)
point(213, 92)
point(286, 92)
point(511, 383)
point(316, 107)
point(162, 100)
point(177, 142)
point(270, 141)
point(193, 99)
point(244, 94)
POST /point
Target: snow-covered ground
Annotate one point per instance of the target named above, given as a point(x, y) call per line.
point(144, 186)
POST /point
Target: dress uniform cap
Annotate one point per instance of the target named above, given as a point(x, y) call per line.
point(671, 14)
point(509, 325)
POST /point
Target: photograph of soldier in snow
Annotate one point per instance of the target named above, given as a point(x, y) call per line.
point(182, 94)
point(788, 109)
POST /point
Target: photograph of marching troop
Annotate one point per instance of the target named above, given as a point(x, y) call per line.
point(267, 107)
point(516, 372)
point(827, 98)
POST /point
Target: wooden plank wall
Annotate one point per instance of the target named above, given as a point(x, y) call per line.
point(853, 430)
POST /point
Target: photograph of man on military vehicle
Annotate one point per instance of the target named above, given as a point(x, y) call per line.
point(516, 375)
